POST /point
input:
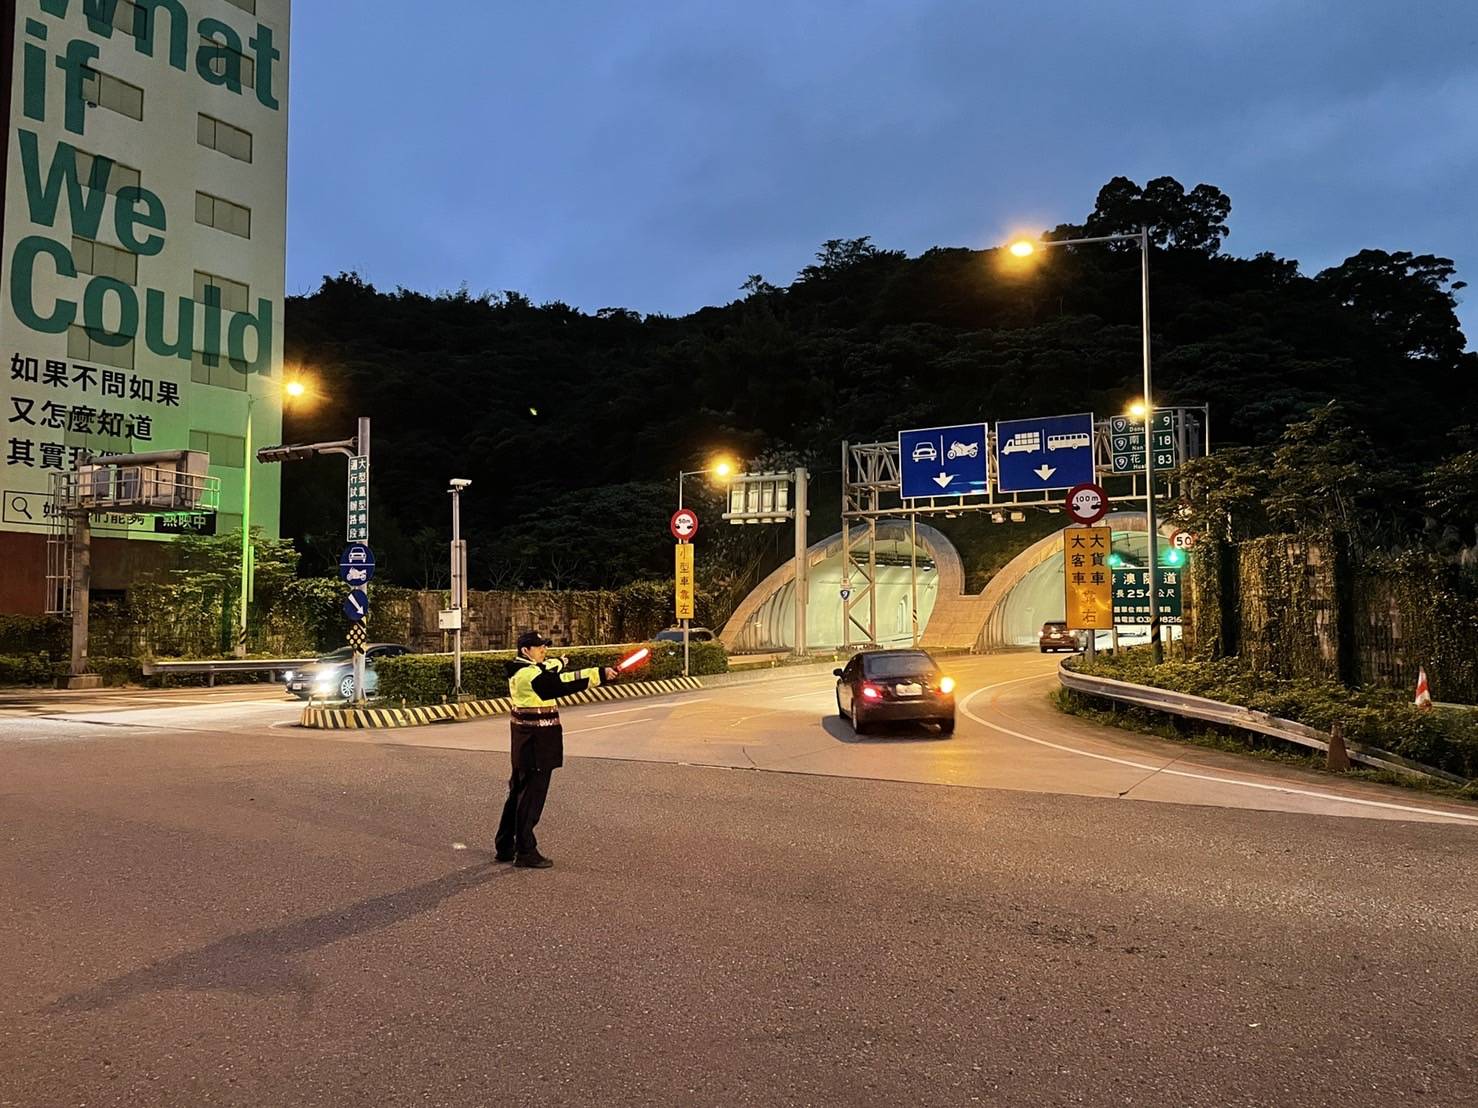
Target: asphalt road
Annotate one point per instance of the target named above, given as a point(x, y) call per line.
point(204, 908)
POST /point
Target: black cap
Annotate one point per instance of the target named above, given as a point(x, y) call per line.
point(532, 638)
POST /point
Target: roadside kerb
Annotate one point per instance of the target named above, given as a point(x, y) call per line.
point(1234, 715)
point(386, 716)
point(380, 716)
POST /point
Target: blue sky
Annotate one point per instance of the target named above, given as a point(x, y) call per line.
point(652, 155)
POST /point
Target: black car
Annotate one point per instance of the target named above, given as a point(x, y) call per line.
point(1056, 636)
point(895, 686)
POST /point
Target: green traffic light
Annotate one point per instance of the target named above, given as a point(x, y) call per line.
point(1115, 561)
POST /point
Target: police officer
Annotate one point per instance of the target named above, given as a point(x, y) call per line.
point(535, 682)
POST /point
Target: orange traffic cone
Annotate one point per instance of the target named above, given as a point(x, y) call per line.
point(1423, 694)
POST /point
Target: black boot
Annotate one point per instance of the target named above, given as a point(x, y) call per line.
point(533, 860)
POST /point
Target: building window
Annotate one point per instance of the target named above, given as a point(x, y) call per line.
point(218, 370)
point(249, 6)
point(107, 91)
point(222, 59)
point(233, 296)
point(82, 347)
point(218, 135)
point(224, 450)
point(212, 211)
point(119, 177)
point(102, 260)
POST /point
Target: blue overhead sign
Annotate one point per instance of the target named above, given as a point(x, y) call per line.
point(943, 461)
point(1051, 452)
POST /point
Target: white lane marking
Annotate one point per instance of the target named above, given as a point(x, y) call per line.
point(805, 695)
point(1213, 778)
point(644, 707)
point(608, 726)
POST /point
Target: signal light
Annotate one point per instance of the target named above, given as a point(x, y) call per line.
point(871, 692)
point(1115, 560)
point(946, 684)
point(1174, 556)
point(633, 660)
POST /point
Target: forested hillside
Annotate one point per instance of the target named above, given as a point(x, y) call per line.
point(573, 426)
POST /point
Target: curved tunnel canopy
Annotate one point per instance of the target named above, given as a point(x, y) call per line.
point(1010, 611)
point(771, 623)
point(1038, 597)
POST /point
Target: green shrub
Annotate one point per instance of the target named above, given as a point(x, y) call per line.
point(427, 678)
point(20, 635)
point(1381, 717)
point(27, 669)
point(117, 671)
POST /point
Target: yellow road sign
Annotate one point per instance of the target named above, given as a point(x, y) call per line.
point(684, 583)
point(1087, 579)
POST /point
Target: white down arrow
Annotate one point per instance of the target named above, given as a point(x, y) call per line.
point(1044, 471)
point(943, 479)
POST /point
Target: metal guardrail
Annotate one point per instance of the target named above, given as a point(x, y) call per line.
point(211, 667)
point(1234, 715)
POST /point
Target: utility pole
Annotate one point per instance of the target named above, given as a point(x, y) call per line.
point(81, 583)
point(459, 580)
point(802, 585)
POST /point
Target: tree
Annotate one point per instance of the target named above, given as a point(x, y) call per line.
point(1407, 297)
point(1195, 220)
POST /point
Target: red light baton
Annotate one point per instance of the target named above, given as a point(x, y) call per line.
point(631, 661)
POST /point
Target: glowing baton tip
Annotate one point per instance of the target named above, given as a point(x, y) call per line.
point(632, 660)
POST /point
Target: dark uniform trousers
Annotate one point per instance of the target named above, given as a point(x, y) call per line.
point(527, 789)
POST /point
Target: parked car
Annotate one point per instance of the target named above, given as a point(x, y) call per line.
point(895, 686)
point(332, 676)
point(1056, 636)
point(675, 634)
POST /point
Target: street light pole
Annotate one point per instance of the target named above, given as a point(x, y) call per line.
point(245, 531)
point(1022, 249)
point(1152, 558)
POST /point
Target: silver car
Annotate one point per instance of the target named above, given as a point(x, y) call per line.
point(332, 676)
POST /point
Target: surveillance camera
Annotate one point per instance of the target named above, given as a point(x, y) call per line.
point(460, 482)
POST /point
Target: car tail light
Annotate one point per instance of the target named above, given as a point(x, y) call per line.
point(871, 692)
point(946, 684)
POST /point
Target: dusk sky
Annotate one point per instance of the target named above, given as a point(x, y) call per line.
point(651, 156)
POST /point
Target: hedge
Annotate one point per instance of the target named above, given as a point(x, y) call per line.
point(1383, 717)
point(42, 669)
point(427, 678)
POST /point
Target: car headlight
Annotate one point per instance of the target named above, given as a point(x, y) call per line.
point(287, 675)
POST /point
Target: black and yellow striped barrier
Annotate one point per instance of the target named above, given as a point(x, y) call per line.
point(359, 719)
